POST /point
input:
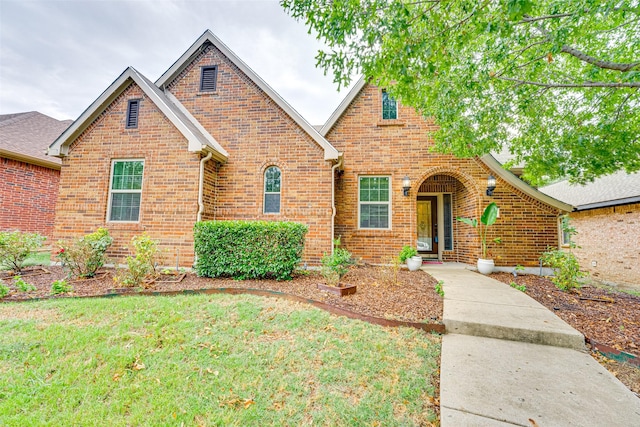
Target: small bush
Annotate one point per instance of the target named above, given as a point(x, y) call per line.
point(15, 247)
point(143, 264)
point(438, 288)
point(248, 249)
point(85, 255)
point(566, 269)
point(22, 285)
point(336, 265)
point(60, 287)
point(406, 253)
point(4, 290)
point(521, 288)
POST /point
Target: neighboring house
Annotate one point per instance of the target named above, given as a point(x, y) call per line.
point(607, 220)
point(211, 140)
point(28, 177)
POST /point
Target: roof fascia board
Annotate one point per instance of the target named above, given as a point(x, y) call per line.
point(29, 159)
point(495, 166)
point(360, 84)
point(608, 203)
point(330, 152)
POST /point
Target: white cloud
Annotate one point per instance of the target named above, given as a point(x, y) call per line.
point(57, 56)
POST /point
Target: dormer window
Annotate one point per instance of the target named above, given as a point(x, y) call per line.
point(389, 107)
point(133, 111)
point(208, 77)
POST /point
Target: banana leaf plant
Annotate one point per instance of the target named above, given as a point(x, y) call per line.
point(488, 218)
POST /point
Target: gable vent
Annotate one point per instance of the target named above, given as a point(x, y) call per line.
point(132, 113)
point(208, 79)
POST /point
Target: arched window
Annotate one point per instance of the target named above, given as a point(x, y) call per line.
point(272, 185)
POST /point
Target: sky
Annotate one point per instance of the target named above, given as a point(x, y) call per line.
point(58, 56)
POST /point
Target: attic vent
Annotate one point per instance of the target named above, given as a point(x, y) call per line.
point(132, 113)
point(208, 79)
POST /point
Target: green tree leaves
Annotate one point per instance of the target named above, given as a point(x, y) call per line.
point(557, 84)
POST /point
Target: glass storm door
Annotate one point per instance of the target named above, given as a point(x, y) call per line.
point(427, 216)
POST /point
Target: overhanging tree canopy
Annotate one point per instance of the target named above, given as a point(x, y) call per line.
point(557, 83)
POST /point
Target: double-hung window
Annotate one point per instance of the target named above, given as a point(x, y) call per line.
point(272, 185)
point(125, 190)
point(374, 202)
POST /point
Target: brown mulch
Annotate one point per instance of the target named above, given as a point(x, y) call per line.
point(601, 314)
point(411, 299)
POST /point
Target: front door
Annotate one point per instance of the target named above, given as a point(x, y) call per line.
point(427, 225)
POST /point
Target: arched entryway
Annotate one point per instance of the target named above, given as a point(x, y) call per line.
point(443, 196)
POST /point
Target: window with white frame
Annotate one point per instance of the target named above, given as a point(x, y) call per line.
point(374, 202)
point(125, 190)
point(389, 107)
point(272, 186)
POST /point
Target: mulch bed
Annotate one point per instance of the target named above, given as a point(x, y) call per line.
point(411, 299)
point(608, 317)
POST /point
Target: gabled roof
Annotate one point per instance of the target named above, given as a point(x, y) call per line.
point(611, 190)
point(26, 136)
point(199, 139)
point(330, 153)
point(487, 159)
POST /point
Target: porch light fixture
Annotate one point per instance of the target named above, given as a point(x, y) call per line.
point(491, 185)
point(406, 185)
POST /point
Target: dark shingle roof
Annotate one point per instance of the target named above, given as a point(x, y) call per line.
point(27, 135)
point(610, 190)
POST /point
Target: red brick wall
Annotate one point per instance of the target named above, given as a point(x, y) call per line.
point(170, 182)
point(402, 147)
point(610, 237)
point(257, 134)
point(27, 197)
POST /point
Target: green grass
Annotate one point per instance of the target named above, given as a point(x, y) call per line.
point(208, 360)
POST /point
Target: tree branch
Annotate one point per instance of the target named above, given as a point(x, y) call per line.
point(598, 62)
point(526, 19)
point(568, 85)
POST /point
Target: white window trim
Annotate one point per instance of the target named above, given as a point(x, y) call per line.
point(113, 163)
point(382, 106)
point(376, 203)
point(264, 191)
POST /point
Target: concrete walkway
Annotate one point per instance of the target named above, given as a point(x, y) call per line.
point(507, 360)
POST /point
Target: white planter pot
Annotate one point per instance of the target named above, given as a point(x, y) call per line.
point(485, 266)
point(414, 263)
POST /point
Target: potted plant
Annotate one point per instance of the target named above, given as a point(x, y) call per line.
point(410, 255)
point(334, 266)
point(488, 218)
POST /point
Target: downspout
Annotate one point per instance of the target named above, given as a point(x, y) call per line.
point(333, 199)
point(201, 185)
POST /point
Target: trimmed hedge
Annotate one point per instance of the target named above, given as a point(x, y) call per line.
point(248, 249)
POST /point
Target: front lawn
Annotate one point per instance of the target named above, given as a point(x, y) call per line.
point(208, 360)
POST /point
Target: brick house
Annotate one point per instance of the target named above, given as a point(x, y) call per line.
point(607, 221)
point(211, 140)
point(28, 177)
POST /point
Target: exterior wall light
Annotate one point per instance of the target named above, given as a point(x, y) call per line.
point(491, 185)
point(406, 185)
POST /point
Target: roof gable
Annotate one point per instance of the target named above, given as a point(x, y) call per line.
point(198, 138)
point(330, 153)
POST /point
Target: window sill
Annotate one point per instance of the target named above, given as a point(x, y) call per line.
point(212, 93)
point(384, 123)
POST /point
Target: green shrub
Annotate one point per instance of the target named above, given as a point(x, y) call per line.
point(248, 249)
point(438, 288)
point(60, 287)
point(4, 290)
point(85, 255)
point(15, 247)
point(336, 265)
point(22, 285)
point(406, 253)
point(566, 269)
point(521, 288)
point(143, 264)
